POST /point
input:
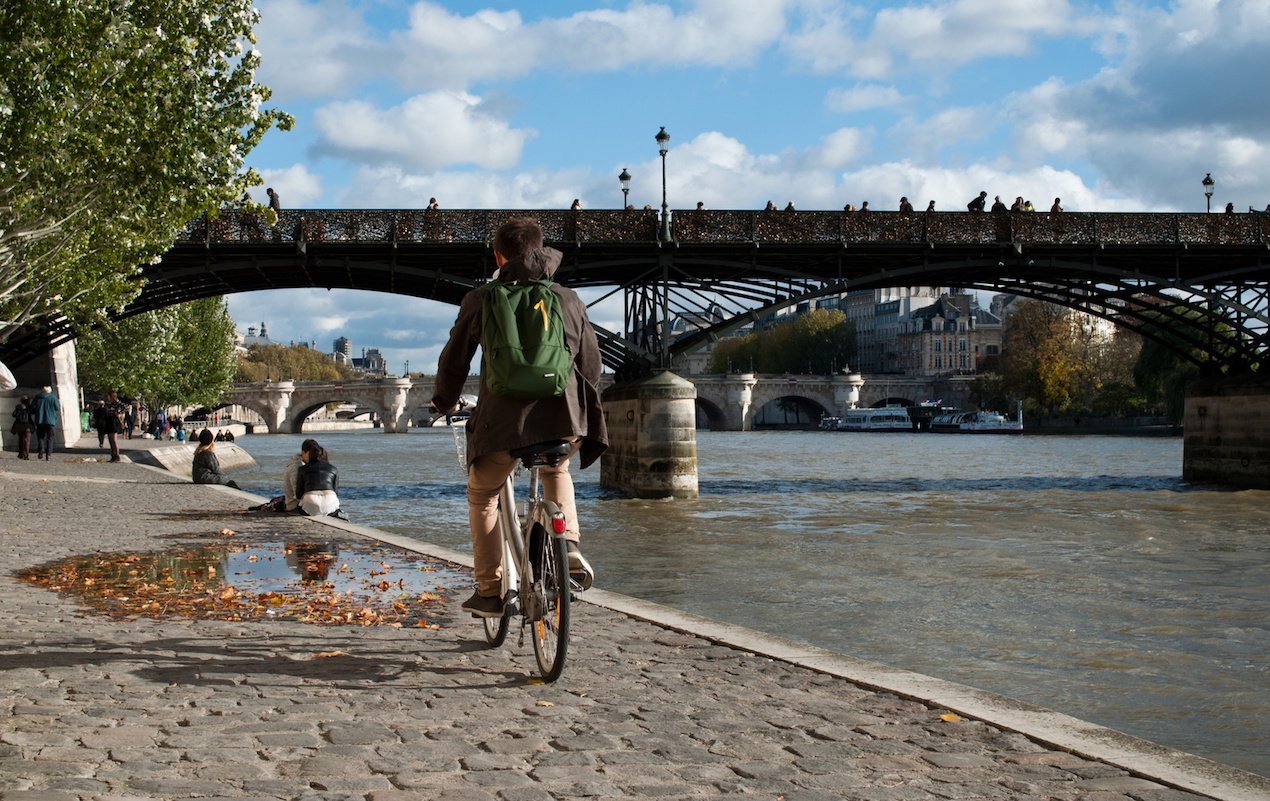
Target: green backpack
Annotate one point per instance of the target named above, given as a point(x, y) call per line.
point(522, 338)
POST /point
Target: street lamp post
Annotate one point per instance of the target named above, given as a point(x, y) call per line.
point(625, 179)
point(663, 146)
point(1208, 183)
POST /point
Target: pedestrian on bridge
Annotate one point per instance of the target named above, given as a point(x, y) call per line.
point(978, 203)
point(275, 202)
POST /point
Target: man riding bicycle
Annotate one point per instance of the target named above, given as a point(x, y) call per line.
point(501, 424)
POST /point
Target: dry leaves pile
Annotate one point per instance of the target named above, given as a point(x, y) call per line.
point(191, 583)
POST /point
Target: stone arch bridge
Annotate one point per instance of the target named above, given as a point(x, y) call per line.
point(730, 402)
point(284, 405)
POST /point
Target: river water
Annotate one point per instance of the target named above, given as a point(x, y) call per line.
point(1079, 573)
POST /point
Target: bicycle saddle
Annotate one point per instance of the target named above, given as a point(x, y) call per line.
point(549, 453)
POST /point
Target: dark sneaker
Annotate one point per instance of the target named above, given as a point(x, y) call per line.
point(483, 605)
point(579, 568)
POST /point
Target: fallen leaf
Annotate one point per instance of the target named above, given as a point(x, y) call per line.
point(544, 703)
point(329, 654)
point(949, 717)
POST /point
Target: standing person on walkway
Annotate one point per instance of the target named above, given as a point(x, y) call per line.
point(501, 424)
point(99, 422)
point(45, 410)
point(114, 423)
point(22, 427)
point(317, 483)
point(206, 468)
point(275, 202)
point(978, 203)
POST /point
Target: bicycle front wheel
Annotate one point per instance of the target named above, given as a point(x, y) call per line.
point(496, 629)
point(551, 628)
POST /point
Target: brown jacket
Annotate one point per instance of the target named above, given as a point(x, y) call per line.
point(503, 424)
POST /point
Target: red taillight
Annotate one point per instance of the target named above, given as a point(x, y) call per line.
point(557, 523)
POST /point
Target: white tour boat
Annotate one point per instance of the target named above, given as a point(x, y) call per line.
point(889, 418)
point(976, 423)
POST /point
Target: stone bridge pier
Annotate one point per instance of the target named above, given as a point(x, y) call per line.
point(394, 400)
point(272, 401)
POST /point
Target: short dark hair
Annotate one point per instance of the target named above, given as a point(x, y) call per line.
point(517, 237)
point(205, 437)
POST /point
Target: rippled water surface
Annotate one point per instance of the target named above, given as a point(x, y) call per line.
point(1079, 573)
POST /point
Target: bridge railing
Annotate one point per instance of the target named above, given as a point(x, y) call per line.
point(476, 226)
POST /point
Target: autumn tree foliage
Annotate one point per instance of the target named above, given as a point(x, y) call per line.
point(1059, 361)
point(290, 362)
point(820, 341)
point(119, 122)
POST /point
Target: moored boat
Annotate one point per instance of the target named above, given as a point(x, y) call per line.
point(976, 423)
point(889, 418)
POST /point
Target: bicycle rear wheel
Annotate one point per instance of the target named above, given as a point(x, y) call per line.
point(551, 628)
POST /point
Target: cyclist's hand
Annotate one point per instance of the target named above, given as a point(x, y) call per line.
point(433, 408)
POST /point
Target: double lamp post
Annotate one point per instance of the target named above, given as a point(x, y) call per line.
point(663, 147)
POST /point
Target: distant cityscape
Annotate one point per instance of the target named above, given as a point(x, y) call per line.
point(371, 362)
point(909, 331)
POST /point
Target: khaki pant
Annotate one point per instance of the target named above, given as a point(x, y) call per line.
point(485, 479)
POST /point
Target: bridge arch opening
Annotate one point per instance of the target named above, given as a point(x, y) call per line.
point(789, 411)
point(300, 414)
point(710, 416)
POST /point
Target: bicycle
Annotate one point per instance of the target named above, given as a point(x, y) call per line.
point(536, 584)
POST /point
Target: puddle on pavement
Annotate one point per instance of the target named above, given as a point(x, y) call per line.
point(309, 581)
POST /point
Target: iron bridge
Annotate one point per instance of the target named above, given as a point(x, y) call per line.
point(1198, 281)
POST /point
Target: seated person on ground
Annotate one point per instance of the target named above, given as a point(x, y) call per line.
point(317, 482)
point(206, 466)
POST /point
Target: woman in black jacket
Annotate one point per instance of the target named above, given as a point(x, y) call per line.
point(318, 481)
point(206, 466)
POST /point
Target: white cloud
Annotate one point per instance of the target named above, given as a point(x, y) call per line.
point(863, 97)
point(314, 48)
point(946, 34)
point(1174, 108)
point(325, 47)
point(295, 185)
point(427, 131)
point(840, 148)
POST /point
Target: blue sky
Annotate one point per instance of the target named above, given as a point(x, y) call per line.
point(1109, 105)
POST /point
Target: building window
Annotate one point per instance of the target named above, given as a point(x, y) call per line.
point(962, 346)
point(938, 345)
